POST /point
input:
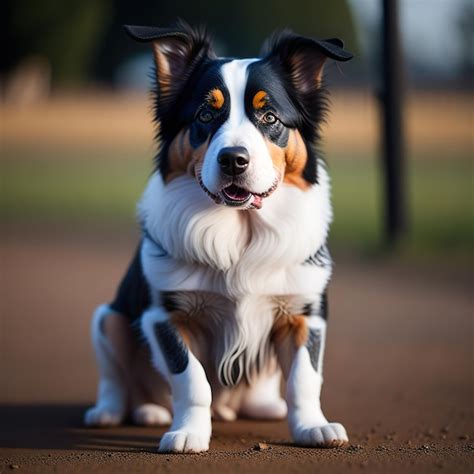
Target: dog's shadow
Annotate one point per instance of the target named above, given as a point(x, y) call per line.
point(59, 427)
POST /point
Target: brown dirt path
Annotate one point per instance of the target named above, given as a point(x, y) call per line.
point(398, 371)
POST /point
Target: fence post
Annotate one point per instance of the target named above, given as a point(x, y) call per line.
point(393, 159)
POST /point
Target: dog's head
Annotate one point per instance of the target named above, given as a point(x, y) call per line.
point(239, 126)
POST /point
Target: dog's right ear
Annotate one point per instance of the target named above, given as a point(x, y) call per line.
point(177, 51)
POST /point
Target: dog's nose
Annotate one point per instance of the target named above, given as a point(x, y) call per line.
point(233, 160)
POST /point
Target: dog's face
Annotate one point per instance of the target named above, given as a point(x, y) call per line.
point(240, 127)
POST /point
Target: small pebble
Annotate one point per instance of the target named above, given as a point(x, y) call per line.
point(14, 466)
point(261, 447)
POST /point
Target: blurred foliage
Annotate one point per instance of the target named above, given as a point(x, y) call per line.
point(65, 33)
point(84, 38)
point(239, 26)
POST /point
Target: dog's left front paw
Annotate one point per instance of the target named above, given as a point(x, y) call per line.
point(183, 442)
point(331, 435)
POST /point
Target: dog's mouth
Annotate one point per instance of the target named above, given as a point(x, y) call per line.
point(233, 195)
point(237, 196)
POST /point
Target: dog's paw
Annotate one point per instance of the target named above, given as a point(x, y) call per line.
point(102, 417)
point(331, 435)
point(223, 413)
point(150, 414)
point(183, 442)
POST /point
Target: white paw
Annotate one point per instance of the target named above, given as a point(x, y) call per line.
point(102, 417)
point(150, 414)
point(331, 435)
point(223, 413)
point(183, 442)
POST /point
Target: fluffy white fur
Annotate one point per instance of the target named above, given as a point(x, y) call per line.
point(244, 267)
point(198, 245)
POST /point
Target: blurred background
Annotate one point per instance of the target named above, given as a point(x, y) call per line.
point(77, 149)
point(77, 137)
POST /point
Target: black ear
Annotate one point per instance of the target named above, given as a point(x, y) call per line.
point(303, 58)
point(177, 51)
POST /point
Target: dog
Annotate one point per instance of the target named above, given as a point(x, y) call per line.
point(228, 284)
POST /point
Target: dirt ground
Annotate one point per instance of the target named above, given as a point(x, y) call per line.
point(398, 371)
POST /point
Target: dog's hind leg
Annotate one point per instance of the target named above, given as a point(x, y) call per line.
point(300, 353)
point(262, 399)
point(149, 394)
point(111, 339)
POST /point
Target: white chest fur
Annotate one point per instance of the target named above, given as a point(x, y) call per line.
point(197, 245)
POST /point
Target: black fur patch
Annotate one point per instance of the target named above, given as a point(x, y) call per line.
point(262, 76)
point(309, 98)
point(321, 258)
point(307, 309)
point(186, 109)
point(324, 306)
point(172, 346)
point(168, 301)
point(133, 294)
point(313, 345)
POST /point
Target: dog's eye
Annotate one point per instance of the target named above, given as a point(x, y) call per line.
point(269, 118)
point(205, 116)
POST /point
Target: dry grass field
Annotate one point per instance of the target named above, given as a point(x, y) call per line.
point(438, 125)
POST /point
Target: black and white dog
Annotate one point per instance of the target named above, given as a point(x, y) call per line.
point(228, 286)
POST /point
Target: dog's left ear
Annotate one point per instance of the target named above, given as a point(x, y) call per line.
point(303, 58)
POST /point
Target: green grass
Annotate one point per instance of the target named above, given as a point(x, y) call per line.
point(439, 200)
point(75, 191)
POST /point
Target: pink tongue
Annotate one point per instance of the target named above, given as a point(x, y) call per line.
point(236, 193)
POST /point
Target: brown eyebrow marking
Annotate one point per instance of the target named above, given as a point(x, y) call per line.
point(260, 99)
point(215, 98)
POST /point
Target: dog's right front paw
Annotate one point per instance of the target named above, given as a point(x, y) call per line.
point(102, 417)
point(183, 442)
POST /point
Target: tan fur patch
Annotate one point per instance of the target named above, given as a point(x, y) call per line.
point(163, 71)
point(291, 160)
point(296, 158)
point(290, 326)
point(215, 98)
point(182, 157)
point(259, 100)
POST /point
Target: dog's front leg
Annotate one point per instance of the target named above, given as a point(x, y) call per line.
point(299, 343)
point(190, 431)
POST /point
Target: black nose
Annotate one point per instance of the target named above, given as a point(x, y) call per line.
point(233, 160)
